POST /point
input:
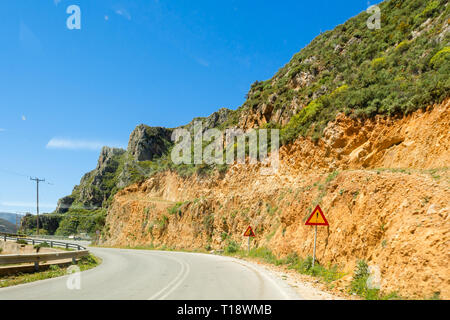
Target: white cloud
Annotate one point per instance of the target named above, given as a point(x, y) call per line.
point(56, 2)
point(124, 13)
point(69, 144)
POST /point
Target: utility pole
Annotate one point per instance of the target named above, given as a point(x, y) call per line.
point(37, 201)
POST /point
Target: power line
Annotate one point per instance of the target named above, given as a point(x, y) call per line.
point(15, 173)
point(22, 175)
point(37, 201)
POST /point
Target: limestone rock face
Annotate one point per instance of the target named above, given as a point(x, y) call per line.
point(95, 186)
point(147, 142)
point(395, 219)
point(215, 120)
point(64, 204)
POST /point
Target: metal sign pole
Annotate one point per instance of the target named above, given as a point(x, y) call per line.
point(248, 245)
point(315, 240)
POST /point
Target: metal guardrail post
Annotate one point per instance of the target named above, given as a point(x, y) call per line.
point(36, 266)
point(14, 237)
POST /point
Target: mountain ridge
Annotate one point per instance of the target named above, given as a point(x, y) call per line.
point(349, 70)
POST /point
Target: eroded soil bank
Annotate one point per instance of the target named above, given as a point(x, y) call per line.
point(383, 185)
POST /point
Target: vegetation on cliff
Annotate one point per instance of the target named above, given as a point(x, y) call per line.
point(352, 69)
point(394, 70)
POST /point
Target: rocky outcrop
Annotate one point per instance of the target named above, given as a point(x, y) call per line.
point(95, 187)
point(146, 142)
point(216, 120)
point(64, 204)
point(388, 206)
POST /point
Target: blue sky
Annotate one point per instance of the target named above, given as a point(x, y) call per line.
point(140, 61)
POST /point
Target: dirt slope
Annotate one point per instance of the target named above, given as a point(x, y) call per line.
point(383, 184)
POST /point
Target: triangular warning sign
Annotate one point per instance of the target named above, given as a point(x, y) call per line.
point(317, 218)
point(249, 232)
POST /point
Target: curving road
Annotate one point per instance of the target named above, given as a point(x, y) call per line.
point(153, 275)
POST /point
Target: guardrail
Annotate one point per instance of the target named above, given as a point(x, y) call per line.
point(74, 238)
point(52, 243)
point(41, 257)
point(36, 258)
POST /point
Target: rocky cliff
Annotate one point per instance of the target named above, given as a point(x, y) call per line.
point(96, 186)
point(363, 117)
point(147, 143)
point(351, 70)
point(383, 184)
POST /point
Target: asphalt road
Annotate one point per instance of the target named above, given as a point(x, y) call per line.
point(152, 275)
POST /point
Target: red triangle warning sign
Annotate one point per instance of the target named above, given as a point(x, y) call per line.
point(249, 232)
point(317, 218)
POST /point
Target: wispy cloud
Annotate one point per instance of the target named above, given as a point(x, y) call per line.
point(70, 144)
point(202, 62)
point(56, 2)
point(124, 13)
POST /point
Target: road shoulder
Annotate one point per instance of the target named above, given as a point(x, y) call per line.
point(306, 287)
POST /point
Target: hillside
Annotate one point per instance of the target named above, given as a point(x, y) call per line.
point(363, 116)
point(11, 217)
point(393, 71)
point(7, 227)
point(381, 183)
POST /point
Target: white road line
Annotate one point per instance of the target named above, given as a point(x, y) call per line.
point(175, 283)
point(175, 286)
point(267, 277)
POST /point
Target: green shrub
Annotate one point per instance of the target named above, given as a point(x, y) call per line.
point(21, 241)
point(402, 46)
point(163, 222)
point(42, 245)
point(54, 267)
point(359, 282)
point(305, 266)
point(232, 247)
point(223, 236)
point(208, 224)
point(175, 209)
point(440, 57)
point(378, 62)
point(265, 254)
point(332, 176)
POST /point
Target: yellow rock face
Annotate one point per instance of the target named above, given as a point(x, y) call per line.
point(388, 202)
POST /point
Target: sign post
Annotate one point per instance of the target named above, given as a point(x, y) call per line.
point(250, 234)
point(317, 218)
